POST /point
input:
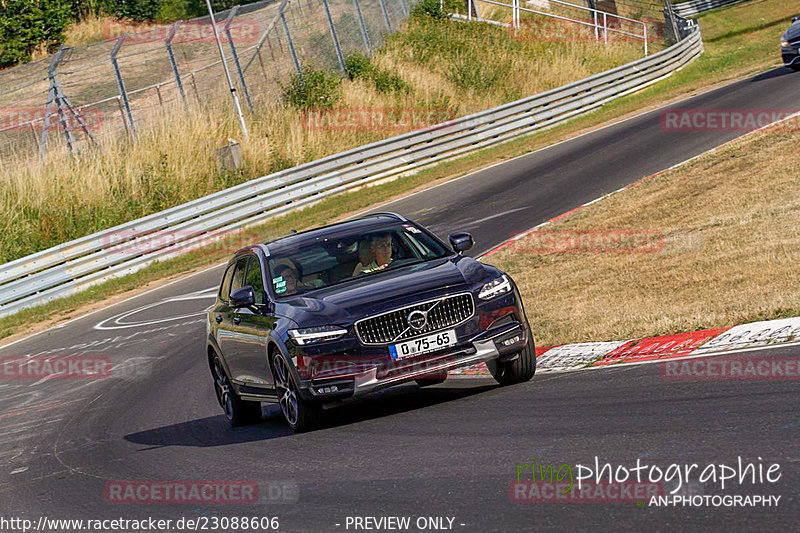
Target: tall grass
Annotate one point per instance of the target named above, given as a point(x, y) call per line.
point(437, 64)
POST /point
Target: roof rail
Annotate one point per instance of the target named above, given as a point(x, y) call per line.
point(386, 214)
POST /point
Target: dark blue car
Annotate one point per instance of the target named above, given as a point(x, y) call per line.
point(790, 45)
point(322, 316)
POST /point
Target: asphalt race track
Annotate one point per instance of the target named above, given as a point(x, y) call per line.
point(447, 451)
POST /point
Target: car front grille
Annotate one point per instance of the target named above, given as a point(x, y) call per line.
point(393, 326)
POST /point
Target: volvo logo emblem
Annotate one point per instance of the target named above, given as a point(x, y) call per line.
point(417, 320)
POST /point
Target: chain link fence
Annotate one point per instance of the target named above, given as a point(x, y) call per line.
point(83, 95)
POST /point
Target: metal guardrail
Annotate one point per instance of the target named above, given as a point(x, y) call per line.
point(688, 9)
point(73, 266)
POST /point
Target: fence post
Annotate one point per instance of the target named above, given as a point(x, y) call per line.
point(170, 36)
point(236, 63)
point(386, 15)
point(123, 94)
point(35, 136)
point(363, 27)
point(291, 44)
point(234, 95)
point(405, 7)
point(122, 115)
point(605, 27)
point(339, 55)
point(265, 37)
point(645, 39)
point(51, 98)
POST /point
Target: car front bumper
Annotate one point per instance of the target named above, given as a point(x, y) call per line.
point(790, 55)
point(502, 343)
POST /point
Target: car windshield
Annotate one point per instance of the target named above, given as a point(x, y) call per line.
point(329, 259)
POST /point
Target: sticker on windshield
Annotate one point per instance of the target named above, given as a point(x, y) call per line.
point(280, 290)
point(412, 229)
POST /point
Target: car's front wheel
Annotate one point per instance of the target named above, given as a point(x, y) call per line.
point(519, 370)
point(238, 412)
point(299, 414)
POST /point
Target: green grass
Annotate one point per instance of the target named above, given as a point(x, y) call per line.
point(739, 40)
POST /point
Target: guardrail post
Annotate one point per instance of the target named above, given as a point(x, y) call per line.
point(339, 55)
point(291, 44)
point(363, 26)
point(171, 35)
point(227, 29)
point(123, 94)
point(386, 15)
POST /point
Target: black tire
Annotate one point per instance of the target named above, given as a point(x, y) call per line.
point(238, 412)
point(299, 415)
point(427, 382)
point(795, 66)
point(519, 370)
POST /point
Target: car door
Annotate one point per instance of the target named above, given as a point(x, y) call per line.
point(251, 328)
point(225, 314)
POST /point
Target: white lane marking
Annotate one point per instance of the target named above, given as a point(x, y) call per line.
point(471, 223)
point(19, 470)
point(80, 317)
point(117, 321)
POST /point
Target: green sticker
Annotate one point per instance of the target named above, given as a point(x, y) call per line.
point(276, 280)
point(280, 290)
point(280, 284)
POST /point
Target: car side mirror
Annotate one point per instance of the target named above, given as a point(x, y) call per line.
point(244, 297)
point(461, 242)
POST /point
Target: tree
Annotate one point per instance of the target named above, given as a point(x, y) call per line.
point(30, 25)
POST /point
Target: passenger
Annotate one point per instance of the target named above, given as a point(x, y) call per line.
point(379, 248)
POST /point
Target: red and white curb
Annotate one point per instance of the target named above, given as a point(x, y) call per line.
point(587, 355)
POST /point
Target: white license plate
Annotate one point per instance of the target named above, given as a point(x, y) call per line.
point(428, 343)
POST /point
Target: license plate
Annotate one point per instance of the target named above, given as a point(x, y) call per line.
point(428, 343)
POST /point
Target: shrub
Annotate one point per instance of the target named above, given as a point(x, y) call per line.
point(314, 89)
point(135, 10)
point(359, 66)
point(428, 9)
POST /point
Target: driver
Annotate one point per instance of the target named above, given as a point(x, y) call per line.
point(380, 246)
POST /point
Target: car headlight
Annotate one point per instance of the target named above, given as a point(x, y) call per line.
point(495, 288)
point(785, 44)
point(305, 336)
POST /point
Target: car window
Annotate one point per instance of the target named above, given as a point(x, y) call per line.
point(238, 275)
point(254, 279)
point(322, 262)
point(225, 285)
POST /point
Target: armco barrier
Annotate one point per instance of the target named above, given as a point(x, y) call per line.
point(75, 265)
point(688, 9)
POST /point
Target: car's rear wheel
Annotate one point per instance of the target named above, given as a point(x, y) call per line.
point(519, 370)
point(238, 412)
point(299, 414)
